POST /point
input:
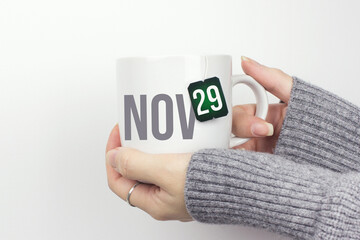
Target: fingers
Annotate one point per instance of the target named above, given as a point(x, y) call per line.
point(140, 198)
point(134, 164)
point(113, 142)
point(246, 125)
point(273, 80)
point(114, 139)
point(156, 169)
point(165, 199)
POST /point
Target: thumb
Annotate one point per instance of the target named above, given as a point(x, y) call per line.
point(273, 80)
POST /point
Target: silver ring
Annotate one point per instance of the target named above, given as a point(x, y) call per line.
point(129, 193)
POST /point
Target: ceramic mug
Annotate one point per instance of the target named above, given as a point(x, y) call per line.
point(180, 104)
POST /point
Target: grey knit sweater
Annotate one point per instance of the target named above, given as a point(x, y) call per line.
point(308, 189)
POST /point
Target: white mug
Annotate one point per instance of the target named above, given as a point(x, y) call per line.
point(156, 114)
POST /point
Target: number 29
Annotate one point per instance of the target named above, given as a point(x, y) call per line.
point(212, 99)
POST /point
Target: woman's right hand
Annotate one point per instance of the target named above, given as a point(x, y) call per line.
point(263, 134)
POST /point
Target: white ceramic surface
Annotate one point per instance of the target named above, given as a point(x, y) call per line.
point(143, 78)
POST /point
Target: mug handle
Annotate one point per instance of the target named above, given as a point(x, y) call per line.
point(261, 102)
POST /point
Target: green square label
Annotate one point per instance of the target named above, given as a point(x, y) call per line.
point(207, 99)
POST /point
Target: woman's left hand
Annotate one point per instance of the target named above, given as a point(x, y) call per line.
point(164, 174)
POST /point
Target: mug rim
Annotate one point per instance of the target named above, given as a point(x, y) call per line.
point(160, 57)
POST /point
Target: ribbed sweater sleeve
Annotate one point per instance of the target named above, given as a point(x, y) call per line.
point(320, 128)
point(284, 193)
point(271, 192)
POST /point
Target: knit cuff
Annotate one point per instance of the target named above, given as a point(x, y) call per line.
point(320, 128)
point(339, 216)
point(255, 189)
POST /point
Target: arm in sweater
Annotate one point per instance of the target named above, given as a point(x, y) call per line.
point(269, 191)
point(280, 193)
point(320, 128)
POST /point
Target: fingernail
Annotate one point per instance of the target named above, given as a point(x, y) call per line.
point(246, 59)
point(111, 156)
point(243, 58)
point(262, 129)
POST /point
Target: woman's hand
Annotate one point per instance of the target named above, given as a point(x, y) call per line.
point(164, 174)
point(245, 124)
point(163, 196)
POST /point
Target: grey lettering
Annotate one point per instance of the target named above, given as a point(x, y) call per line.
point(155, 117)
point(140, 121)
point(187, 129)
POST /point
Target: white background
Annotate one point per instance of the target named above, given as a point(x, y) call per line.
point(58, 96)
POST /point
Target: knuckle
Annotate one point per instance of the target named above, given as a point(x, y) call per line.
point(160, 216)
point(111, 185)
point(244, 110)
point(249, 108)
point(278, 71)
point(238, 109)
point(281, 74)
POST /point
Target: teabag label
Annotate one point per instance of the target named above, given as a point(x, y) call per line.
point(207, 99)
